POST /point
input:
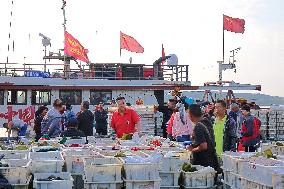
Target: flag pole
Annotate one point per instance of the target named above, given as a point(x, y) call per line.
point(223, 40)
point(120, 43)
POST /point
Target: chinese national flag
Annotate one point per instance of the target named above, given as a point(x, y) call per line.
point(234, 24)
point(72, 47)
point(129, 43)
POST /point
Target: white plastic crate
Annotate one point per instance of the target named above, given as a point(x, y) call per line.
point(105, 169)
point(18, 171)
point(232, 179)
point(66, 183)
point(22, 185)
point(15, 151)
point(174, 164)
point(204, 177)
point(249, 184)
point(46, 162)
point(139, 184)
point(141, 171)
point(232, 160)
point(169, 179)
point(74, 159)
point(16, 156)
point(114, 185)
point(264, 173)
point(278, 181)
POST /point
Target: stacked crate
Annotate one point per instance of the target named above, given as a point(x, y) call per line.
point(276, 123)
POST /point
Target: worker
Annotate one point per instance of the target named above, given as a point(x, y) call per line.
point(72, 129)
point(19, 125)
point(125, 120)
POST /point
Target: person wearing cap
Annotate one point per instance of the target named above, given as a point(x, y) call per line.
point(86, 119)
point(101, 119)
point(51, 123)
point(72, 129)
point(250, 131)
point(124, 120)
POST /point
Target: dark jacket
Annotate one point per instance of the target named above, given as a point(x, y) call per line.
point(208, 124)
point(167, 113)
point(73, 132)
point(85, 122)
point(230, 134)
point(101, 118)
point(37, 126)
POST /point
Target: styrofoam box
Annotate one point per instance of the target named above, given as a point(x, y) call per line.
point(92, 185)
point(264, 173)
point(18, 171)
point(174, 164)
point(15, 151)
point(105, 169)
point(22, 185)
point(204, 177)
point(75, 160)
point(46, 162)
point(139, 184)
point(67, 183)
point(249, 184)
point(141, 171)
point(169, 179)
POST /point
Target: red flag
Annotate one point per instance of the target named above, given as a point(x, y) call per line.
point(73, 48)
point(163, 54)
point(129, 43)
point(234, 24)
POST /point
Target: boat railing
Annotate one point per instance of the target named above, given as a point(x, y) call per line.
point(110, 71)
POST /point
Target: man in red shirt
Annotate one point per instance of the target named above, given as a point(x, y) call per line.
point(124, 120)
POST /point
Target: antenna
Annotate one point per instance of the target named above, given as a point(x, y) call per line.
point(231, 65)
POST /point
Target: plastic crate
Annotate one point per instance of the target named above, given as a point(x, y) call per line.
point(249, 184)
point(169, 179)
point(18, 171)
point(105, 169)
point(264, 173)
point(46, 162)
point(232, 160)
point(74, 159)
point(15, 151)
point(92, 185)
point(141, 171)
point(278, 180)
point(204, 177)
point(16, 156)
point(22, 185)
point(139, 184)
point(66, 183)
point(232, 179)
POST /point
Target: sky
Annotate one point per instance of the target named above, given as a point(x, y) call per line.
point(190, 29)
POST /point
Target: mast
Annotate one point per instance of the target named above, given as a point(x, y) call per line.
point(66, 59)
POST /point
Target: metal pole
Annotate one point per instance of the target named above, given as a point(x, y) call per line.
point(44, 59)
point(223, 40)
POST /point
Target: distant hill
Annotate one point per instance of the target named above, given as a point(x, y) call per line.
point(260, 99)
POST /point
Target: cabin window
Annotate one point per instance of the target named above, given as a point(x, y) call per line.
point(17, 97)
point(100, 96)
point(73, 97)
point(41, 97)
point(1, 97)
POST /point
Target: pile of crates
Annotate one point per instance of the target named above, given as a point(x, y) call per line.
point(243, 170)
